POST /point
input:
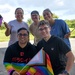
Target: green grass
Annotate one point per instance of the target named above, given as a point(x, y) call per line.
point(4, 38)
point(72, 33)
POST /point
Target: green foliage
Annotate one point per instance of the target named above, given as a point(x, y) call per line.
point(29, 22)
point(72, 33)
point(71, 23)
point(2, 27)
point(55, 16)
point(2, 36)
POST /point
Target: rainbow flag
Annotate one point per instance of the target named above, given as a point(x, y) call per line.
point(40, 64)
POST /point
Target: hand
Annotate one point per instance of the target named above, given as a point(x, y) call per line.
point(6, 25)
point(67, 35)
point(15, 73)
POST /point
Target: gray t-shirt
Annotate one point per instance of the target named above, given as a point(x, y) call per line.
point(14, 26)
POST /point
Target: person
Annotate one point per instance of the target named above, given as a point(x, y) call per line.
point(56, 48)
point(19, 54)
point(58, 26)
point(34, 26)
point(14, 25)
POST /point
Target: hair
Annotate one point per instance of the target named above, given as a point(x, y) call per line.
point(19, 8)
point(35, 12)
point(43, 22)
point(22, 29)
point(48, 10)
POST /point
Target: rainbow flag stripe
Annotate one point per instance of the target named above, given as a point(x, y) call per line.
point(40, 63)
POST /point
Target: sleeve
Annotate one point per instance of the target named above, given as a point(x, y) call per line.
point(9, 23)
point(7, 61)
point(9, 68)
point(27, 26)
point(65, 27)
point(31, 29)
point(63, 46)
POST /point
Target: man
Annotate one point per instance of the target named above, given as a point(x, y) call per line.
point(19, 54)
point(56, 48)
point(34, 26)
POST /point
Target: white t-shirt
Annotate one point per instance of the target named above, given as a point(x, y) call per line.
point(14, 26)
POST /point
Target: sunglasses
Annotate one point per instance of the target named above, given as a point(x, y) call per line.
point(22, 34)
point(45, 28)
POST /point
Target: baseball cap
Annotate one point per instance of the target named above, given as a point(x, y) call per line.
point(35, 12)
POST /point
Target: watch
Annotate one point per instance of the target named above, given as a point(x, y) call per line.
point(65, 72)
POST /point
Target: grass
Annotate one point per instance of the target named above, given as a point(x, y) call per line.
point(4, 38)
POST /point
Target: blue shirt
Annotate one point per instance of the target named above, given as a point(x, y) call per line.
point(60, 28)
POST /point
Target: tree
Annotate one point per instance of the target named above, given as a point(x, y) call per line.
point(55, 16)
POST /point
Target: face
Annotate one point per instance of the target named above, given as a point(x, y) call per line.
point(47, 15)
point(44, 31)
point(35, 17)
point(23, 37)
point(19, 14)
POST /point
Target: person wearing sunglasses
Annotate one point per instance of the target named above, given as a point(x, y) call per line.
point(56, 48)
point(19, 54)
point(34, 26)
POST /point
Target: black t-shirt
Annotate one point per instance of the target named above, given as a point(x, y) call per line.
point(15, 53)
point(56, 49)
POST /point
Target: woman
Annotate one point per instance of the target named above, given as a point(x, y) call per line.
point(14, 25)
point(58, 27)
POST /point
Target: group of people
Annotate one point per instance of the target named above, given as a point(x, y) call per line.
point(50, 35)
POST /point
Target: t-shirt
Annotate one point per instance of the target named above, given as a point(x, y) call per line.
point(60, 28)
point(16, 57)
point(35, 33)
point(56, 49)
point(14, 26)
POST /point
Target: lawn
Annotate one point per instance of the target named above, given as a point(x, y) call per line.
point(4, 38)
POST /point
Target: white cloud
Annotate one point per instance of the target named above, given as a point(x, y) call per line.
point(63, 8)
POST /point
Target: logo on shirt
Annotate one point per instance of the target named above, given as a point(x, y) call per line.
point(52, 49)
point(21, 53)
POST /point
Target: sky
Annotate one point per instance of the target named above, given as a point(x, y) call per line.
point(64, 9)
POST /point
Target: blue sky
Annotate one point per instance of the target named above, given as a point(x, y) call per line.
point(65, 9)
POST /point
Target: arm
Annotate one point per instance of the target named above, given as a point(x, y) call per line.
point(67, 35)
point(65, 29)
point(70, 61)
point(7, 32)
point(31, 30)
point(9, 68)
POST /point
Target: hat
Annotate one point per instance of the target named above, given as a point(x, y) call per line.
point(35, 12)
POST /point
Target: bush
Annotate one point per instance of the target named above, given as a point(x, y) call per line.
point(2, 27)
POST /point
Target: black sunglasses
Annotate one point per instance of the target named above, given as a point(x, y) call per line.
point(22, 34)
